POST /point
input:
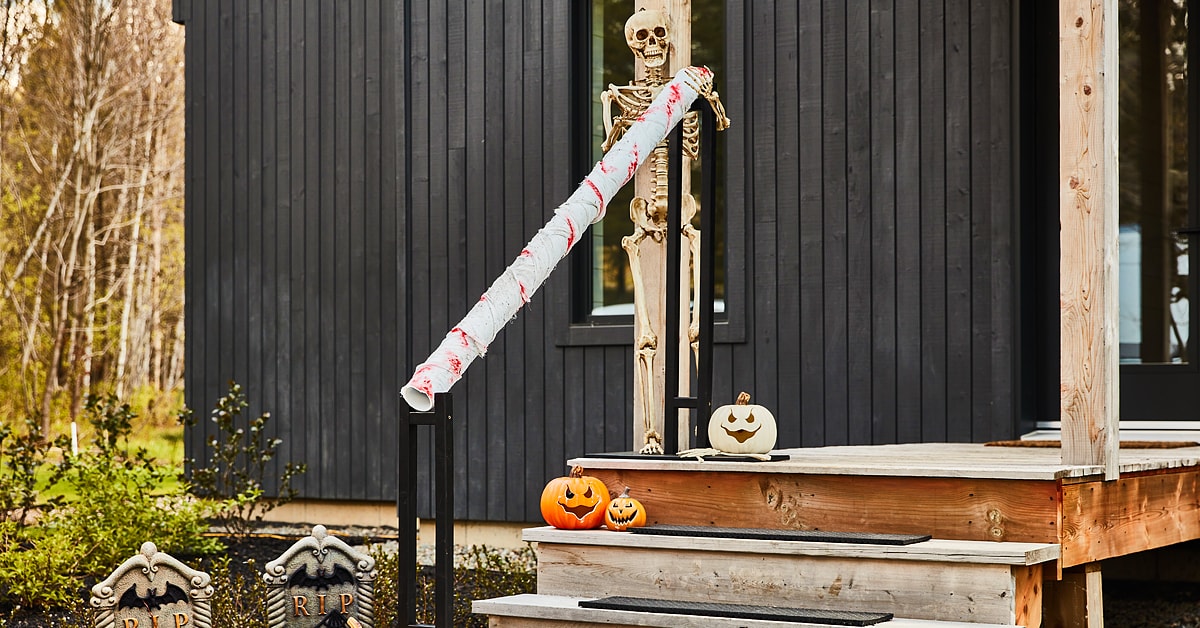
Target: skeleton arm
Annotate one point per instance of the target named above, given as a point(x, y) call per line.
point(632, 101)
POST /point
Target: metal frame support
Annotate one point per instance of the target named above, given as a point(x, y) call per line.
point(702, 401)
point(406, 504)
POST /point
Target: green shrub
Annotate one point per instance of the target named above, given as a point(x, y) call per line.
point(480, 573)
point(236, 468)
point(112, 500)
point(238, 599)
point(37, 570)
point(22, 456)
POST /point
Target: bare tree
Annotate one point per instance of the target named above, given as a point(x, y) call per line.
point(95, 149)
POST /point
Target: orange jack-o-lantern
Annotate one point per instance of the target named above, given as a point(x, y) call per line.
point(575, 502)
point(624, 512)
point(742, 428)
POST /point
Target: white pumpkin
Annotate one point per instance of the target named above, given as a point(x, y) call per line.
point(742, 428)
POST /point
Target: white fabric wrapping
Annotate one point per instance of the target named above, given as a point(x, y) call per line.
point(516, 285)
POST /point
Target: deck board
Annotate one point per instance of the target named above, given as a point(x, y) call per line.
point(955, 460)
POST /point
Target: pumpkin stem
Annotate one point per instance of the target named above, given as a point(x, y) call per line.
point(743, 399)
point(576, 471)
point(625, 493)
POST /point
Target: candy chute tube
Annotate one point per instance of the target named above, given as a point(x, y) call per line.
point(514, 287)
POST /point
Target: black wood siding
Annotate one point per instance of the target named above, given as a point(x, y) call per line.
point(295, 228)
point(354, 186)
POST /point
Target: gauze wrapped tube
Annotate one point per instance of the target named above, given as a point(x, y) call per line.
point(516, 285)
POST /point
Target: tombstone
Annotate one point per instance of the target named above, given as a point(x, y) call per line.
point(320, 582)
point(153, 590)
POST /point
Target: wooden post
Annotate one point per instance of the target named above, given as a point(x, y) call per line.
point(1088, 233)
point(653, 254)
point(1076, 601)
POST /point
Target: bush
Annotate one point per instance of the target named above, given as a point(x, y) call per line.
point(236, 469)
point(240, 596)
point(480, 573)
point(22, 457)
point(112, 501)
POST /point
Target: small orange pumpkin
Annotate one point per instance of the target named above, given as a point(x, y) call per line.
point(575, 502)
point(624, 512)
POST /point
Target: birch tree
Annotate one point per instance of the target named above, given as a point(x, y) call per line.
point(95, 148)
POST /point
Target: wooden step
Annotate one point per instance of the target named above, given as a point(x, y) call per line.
point(550, 611)
point(944, 580)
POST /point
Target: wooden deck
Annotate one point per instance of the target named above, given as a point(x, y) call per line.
point(950, 460)
point(951, 491)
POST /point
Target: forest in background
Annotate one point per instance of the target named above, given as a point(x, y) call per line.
point(91, 207)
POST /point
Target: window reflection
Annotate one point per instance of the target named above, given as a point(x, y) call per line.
point(1153, 105)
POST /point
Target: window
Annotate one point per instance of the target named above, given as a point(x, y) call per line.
point(1158, 214)
point(603, 285)
point(1153, 106)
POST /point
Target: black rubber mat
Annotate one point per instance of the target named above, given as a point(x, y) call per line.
point(738, 611)
point(866, 538)
point(633, 455)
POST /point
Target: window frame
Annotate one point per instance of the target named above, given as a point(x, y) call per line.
point(586, 329)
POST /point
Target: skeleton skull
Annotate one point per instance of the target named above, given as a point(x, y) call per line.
point(649, 37)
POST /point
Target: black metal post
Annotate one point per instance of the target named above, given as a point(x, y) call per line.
point(701, 402)
point(443, 468)
point(673, 403)
point(708, 276)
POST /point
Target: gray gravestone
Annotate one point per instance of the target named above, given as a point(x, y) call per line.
point(153, 590)
point(320, 582)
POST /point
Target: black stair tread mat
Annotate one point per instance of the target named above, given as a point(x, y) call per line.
point(633, 455)
point(761, 534)
point(738, 611)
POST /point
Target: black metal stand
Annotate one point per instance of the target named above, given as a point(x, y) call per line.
point(701, 402)
point(406, 505)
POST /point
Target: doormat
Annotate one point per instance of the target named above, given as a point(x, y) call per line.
point(761, 534)
point(1125, 444)
point(738, 611)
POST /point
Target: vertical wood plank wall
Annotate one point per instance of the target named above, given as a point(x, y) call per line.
point(871, 153)
point(876, 141)
point(295, 230)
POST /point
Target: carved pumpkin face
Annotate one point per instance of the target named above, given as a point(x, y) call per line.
point(742, 428)
point(624, 512)
point(575, 502)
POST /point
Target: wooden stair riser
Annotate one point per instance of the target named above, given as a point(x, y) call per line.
point(949, 591)
point(947, 508)
point(536, 611)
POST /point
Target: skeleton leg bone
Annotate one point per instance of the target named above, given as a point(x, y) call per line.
point(690, 209)
point(646, 347)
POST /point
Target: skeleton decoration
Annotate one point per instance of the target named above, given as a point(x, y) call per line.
point(516, 285)
point(648, 34)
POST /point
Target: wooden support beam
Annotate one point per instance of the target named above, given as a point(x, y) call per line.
point(1088, 232)
point(1076, 601)
point(1139, 512)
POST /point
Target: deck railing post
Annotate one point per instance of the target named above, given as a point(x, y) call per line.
point(439, 418)
point(701, 402)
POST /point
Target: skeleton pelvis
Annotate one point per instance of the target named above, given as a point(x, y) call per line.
point(647, 218)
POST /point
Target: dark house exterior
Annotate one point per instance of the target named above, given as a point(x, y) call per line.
point(359, 172)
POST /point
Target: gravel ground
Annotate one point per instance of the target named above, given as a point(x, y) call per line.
point(1151, 605)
